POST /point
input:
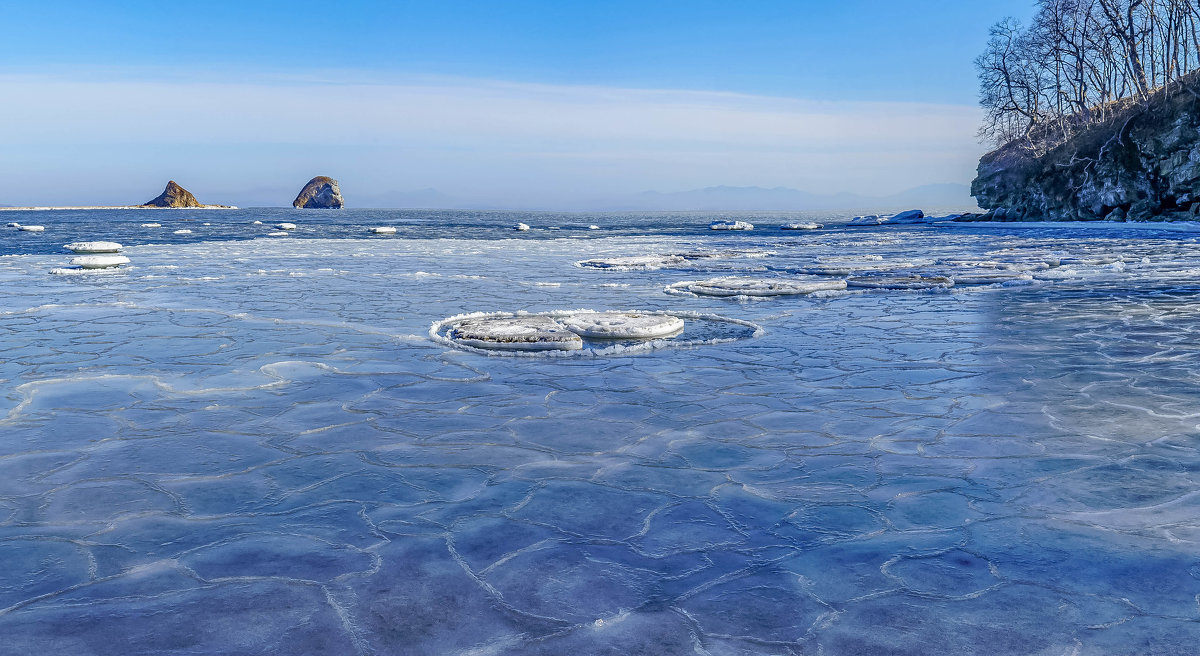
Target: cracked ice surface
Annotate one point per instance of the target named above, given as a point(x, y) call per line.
point(253, 447)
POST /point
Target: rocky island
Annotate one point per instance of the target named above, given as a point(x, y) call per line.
point(177, 197)
point(320, 193)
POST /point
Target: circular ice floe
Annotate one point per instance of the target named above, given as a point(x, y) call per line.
point(525, 333)
point(601, 333)
point(800, 226)
point(384, 230)
point(900, 282)
point(286, 226)
point(521, 226)
point(623, 325)
point(98, 261)
point(26, 228)
point(93, 247)
point(151, 225)
point(184, 231)
point(633, 263)
point(731, 225)
point(736, 286)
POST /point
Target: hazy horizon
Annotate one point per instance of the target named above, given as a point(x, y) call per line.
point(514, 106)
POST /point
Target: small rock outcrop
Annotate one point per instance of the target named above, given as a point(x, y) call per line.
point(320, 193)
point(174, 196)
point(1142, 164)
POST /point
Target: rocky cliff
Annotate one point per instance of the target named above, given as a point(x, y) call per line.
point(174, 196)
point(1143, 164)
point(320, 193)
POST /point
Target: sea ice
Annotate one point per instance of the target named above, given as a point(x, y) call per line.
point(32, 228)
point(526, 333)
point(870, 220)
point(739, 286)
point(989, 277)
point(593, 227)
point(521, 226)
point(623, 325)
point(384, 230)
point(900, 281)
point(13, 224)
point(183, 231)
point(93, 247)
point(98, 261)
point(633, 262)
point(731, 225)
point(151, 225)
point(285, 226)
point(800, 226)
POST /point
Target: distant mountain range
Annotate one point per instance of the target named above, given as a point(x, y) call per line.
point(708, 199)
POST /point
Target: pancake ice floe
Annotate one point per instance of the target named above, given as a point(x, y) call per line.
point(93, 247)
point(98, 261)
point(623, 325)
point(900, 282)
point(740, 286)
point(525, 333)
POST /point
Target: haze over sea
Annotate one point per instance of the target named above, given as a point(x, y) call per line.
point(251, 444)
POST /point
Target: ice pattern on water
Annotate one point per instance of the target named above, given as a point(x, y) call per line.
point(257, 444)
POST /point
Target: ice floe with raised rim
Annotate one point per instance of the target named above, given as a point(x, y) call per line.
point(526, 333)
point(745, 286)
point(623, 325)
point(731, 225)
point(93, 246)
point(909, 281)
point(998, 276)
point(633, 262)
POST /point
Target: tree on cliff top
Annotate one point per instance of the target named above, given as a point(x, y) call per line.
point(1066, 70)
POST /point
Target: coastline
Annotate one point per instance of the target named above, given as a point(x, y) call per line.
point(113, 207)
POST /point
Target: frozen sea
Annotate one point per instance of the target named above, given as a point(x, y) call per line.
point(245, 444)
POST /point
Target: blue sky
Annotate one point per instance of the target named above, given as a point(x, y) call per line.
point(488, 100)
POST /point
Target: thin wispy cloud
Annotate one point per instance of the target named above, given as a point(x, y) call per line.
point(480, 136)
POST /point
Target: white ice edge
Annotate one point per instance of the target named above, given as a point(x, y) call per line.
point(618, 349)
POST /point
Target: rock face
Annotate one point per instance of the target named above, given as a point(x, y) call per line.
point(320, 193)
point(174, 196)
point(1141, 165)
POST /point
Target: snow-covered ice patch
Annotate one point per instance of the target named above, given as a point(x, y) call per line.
point(32, 228)
point(623, 325)
point(384, 230)
point(93, 247)
point(742, 286)
point(530, 332)
point(184, 231)
point(285, 226)
point(99, 261)
point(731, 225)
point(801, 226)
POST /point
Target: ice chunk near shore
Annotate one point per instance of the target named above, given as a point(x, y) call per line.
point(12, 224)
point(909, 217)
point(93, 246)
point(801, 226)
point(279, 233)
point(98, 261)
point(869, 220)
point(26, 228)
point(256, 223)
point(521, 226)
point(739, 286)
point(384, 230)
point(184, 231)
point(593, 227)
point(633, 262)
point(900, 282)
point(285, 226)
point(623, 325)
point(524, 333)
point(151, 225)
point(730, 225)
